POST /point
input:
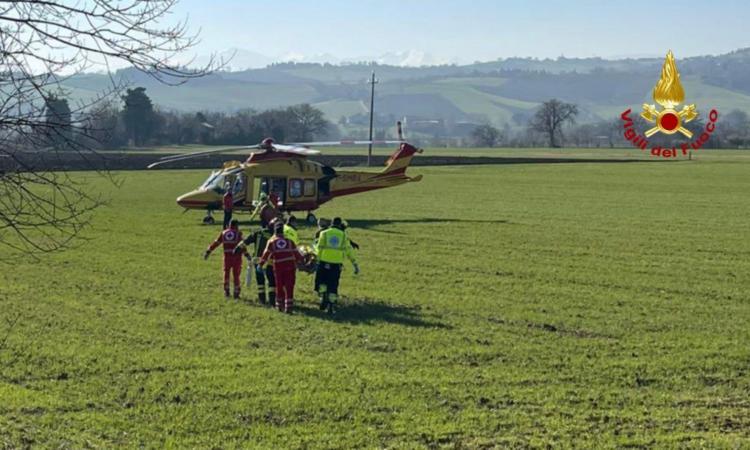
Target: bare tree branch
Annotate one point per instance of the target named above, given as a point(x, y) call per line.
point(42, 44)
point(550, 118)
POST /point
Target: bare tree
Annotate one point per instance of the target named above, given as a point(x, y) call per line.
point(307, 121)
point(42, 43)
point(486, 135)
point(550, 118)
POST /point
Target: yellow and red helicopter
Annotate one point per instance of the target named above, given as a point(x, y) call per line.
point(285, 171)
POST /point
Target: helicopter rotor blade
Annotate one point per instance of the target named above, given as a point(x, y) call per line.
point(400, 140)
point(301, 148)
point(173, 158)
point(345, 142)
point(293, 148)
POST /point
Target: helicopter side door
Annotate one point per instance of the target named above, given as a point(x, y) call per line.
point(324, 182)
point(275, 185)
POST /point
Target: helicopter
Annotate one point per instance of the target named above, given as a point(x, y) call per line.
point(285, 171)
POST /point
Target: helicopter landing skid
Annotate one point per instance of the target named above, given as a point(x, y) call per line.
point(209, 219)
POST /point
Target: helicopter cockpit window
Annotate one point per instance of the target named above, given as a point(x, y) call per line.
point(295, 188)
point(214, 182)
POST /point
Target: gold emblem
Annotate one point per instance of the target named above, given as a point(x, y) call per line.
point(668, 93)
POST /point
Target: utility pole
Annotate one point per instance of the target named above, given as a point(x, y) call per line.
point(372, 82)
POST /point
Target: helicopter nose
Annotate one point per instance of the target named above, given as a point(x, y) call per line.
point(183, 200)
point(197, 199)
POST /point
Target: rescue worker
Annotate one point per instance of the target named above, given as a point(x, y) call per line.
point(344, 226)
point(290, 230)
point(260, 238)
point(274, 199)
point(230, 238)
point(323, 224)
point(331, 248)
point(228, 203)
point(265, 210)
point(284, 256)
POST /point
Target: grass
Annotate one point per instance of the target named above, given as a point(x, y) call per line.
point(580, 305)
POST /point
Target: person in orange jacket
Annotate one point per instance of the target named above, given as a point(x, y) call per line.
point(284, 256)
point(229, 239)
point(228, 204)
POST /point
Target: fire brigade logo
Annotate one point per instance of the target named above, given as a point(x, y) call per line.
point(669, 94)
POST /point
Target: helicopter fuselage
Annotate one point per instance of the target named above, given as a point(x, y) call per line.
point(299, 183)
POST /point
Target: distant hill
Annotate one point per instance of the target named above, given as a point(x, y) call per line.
point(502, 92)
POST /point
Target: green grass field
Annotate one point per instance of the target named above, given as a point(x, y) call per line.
point(568, 305)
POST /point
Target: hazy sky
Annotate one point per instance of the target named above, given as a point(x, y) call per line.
point(471, 30)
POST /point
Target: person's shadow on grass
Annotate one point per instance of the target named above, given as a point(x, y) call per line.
point(368, 312)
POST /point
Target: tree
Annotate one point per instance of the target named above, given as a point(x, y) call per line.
point(550, 118)
point(272, 123)
point(307, 122)
point(138, 115)
point(486, 136)
point(734, 127)
point(104, 128)
point(203, 128)
point(57, 117)
point(295, 123)
point(42, 43)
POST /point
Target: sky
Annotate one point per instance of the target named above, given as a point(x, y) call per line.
point(469, 30)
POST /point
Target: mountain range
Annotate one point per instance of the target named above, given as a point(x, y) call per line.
point(505, 91)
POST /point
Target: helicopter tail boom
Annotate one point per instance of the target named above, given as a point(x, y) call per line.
point(394, 174)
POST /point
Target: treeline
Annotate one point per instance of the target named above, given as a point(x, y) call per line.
point(136, 122)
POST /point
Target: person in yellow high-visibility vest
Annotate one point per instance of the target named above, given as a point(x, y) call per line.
point(331, 248)
point(290, 230)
